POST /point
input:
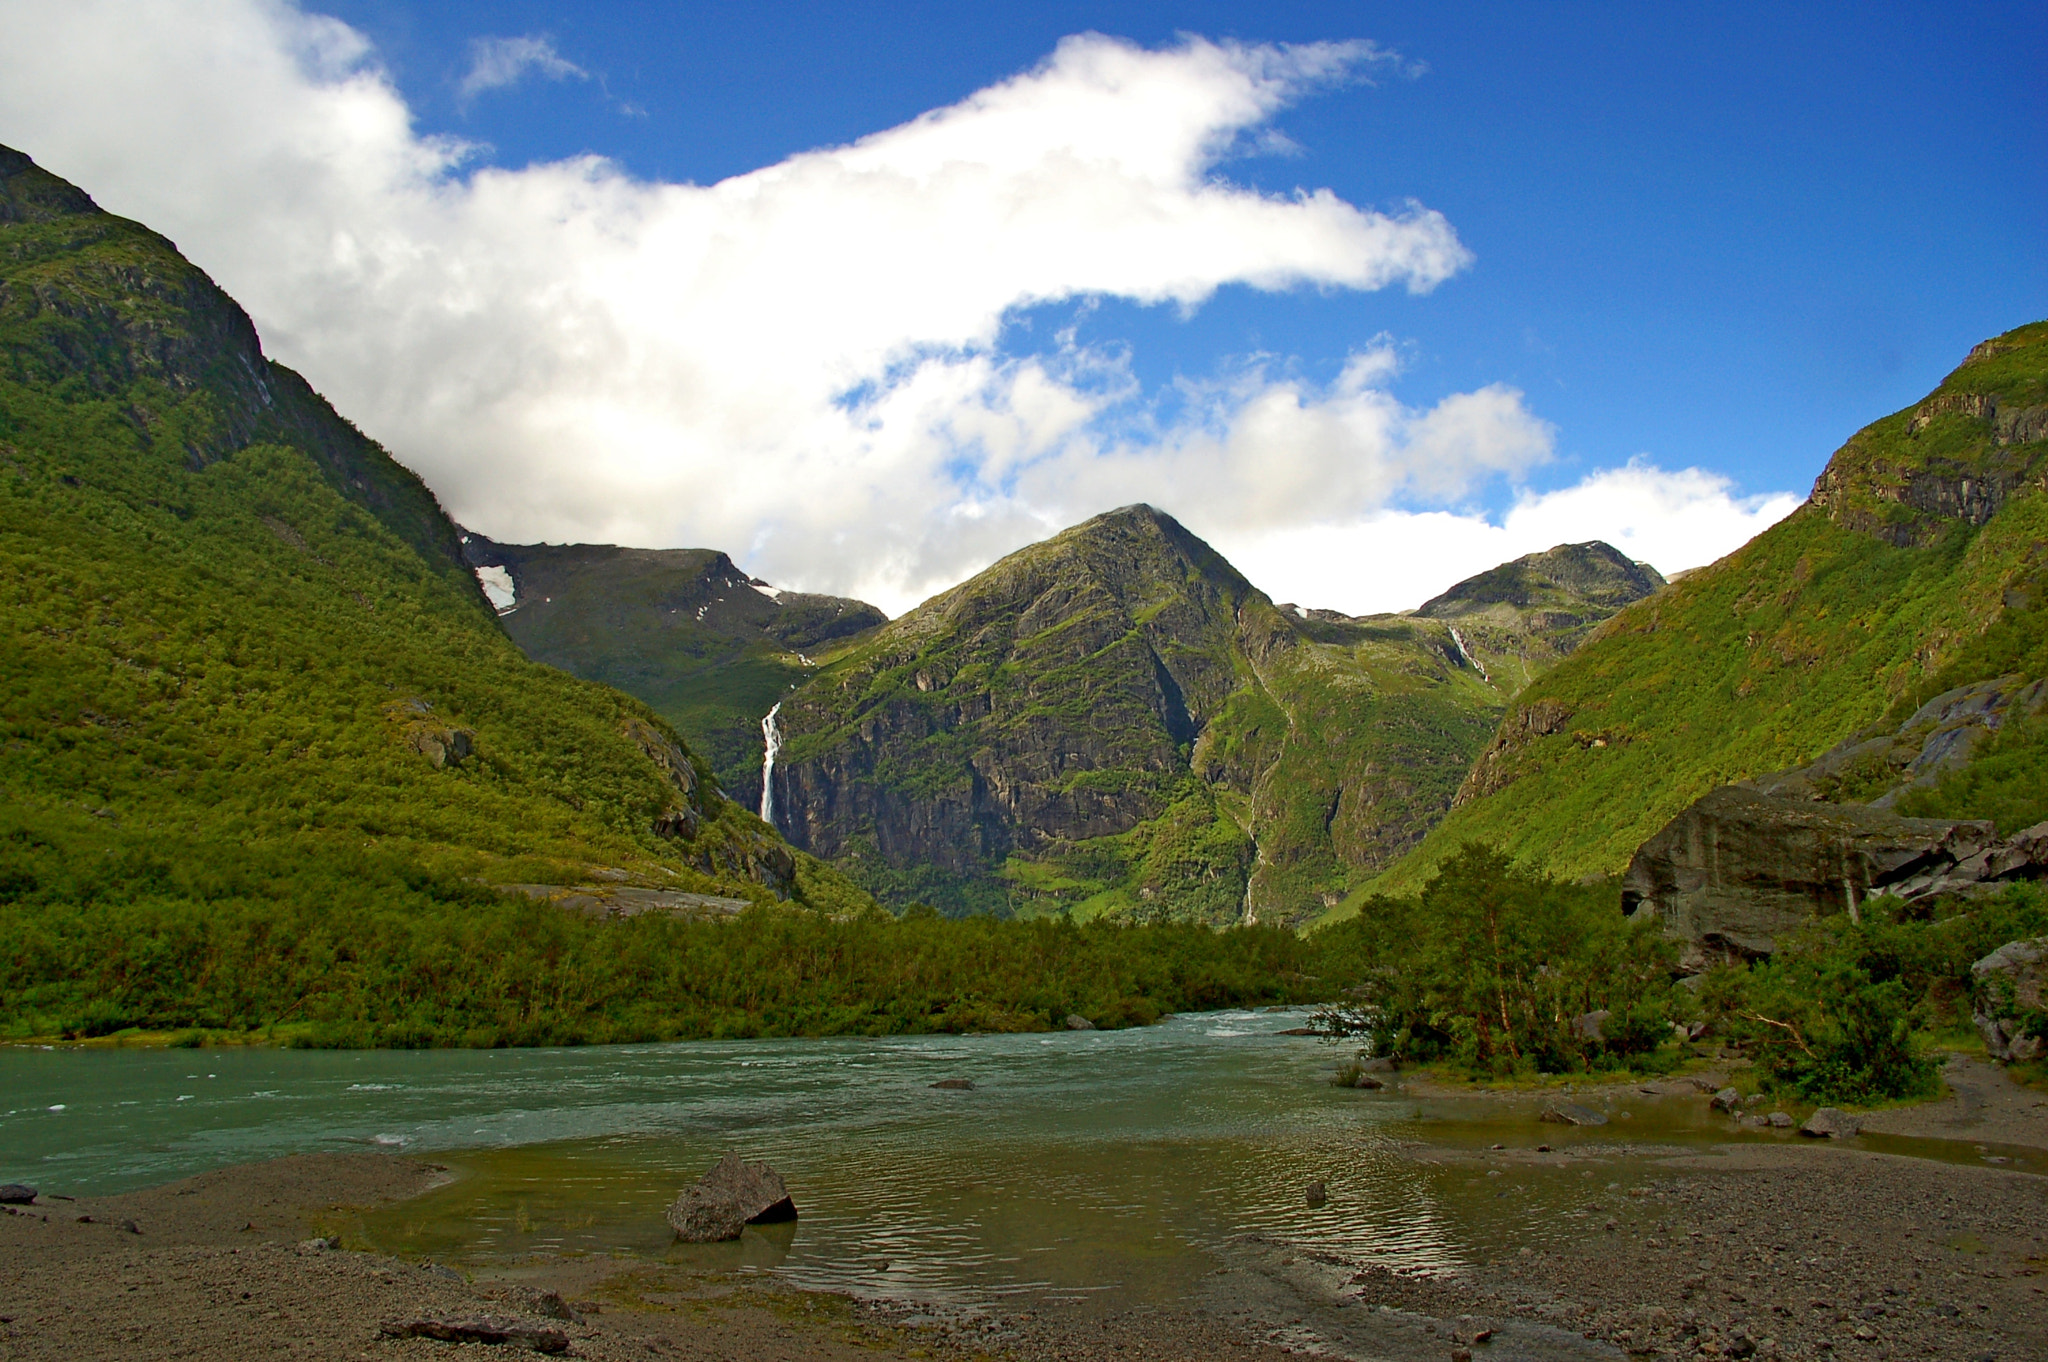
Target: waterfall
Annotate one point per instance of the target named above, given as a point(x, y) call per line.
point(1466, 653)
point(771, 736)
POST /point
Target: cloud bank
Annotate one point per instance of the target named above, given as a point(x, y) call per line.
point(805, 365)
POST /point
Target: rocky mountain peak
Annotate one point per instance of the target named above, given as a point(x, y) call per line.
point(1570, 576)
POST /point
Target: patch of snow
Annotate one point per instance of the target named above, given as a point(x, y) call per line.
point(498, 588)
point(773, 593)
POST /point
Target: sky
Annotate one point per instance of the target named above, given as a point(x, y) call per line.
point(1372, 297)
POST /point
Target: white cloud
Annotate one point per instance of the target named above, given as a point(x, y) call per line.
point(495, 63)
point(802, 365)
point(1396, 560)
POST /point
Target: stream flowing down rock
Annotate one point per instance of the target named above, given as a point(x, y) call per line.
point(732, 1196)
point(2010, 984)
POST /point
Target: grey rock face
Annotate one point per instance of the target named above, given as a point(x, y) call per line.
point(2009, 984)
point(1830, 1123)
point(1741, 867)
point(732, 1196)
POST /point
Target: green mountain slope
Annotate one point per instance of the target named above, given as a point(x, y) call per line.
point(709, 648)
point(1115, 721)
point(1916, 566)
point(241, 640)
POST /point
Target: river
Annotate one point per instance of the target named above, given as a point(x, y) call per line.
point(1112, 1163)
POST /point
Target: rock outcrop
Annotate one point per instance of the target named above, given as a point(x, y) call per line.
point(1740, 867)
point(733, 1195)
point(1939, 737)
point(2008, 1006)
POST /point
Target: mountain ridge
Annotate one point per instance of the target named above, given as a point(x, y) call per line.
point(1916, 566)
point(1116, 720)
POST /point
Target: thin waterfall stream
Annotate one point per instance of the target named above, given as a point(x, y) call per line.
point(771, 736)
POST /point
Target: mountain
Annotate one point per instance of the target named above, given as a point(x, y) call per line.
point(1114, 721)
point(1917, 567)
point(246, 658)
point(708, 648)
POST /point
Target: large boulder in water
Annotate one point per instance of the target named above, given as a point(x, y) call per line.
point(1740, 868)
point(732, 1196)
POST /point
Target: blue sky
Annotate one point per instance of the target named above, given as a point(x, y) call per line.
point(1725, 236)
point(1711, 240)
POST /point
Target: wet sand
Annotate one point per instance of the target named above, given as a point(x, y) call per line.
point(1793, 1249)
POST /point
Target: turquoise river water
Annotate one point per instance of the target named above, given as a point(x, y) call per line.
point(1092, 1162)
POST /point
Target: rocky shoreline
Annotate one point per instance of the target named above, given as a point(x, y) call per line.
point(1790, 1249)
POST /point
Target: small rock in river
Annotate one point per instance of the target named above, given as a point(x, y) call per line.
point(1832, 1124)
point(1726, 1100)
point(1316, 1194)
point(14, 1194)
point(955, 1084)
point(1572, 1114)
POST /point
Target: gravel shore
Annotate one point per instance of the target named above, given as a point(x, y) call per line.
point(1797, 1249)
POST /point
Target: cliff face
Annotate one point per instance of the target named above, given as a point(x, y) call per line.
point(708, 647)
point(1116, 721)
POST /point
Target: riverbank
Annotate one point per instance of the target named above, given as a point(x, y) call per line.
point(1796, 1250)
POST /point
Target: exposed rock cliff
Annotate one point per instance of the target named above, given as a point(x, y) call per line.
point(1117, 721)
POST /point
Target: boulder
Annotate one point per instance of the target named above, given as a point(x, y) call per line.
point(1076, 1022)
point(1727, 1100)
point(1740, 867)
point(1572, 1114)
point(1367, 1081)
point(541, 1338)
point(732, 1196)
point(14, 1194)
point(1782, 1120)
point(1378, 1064)
point(1316, 1194)
point(1828, 1123)
point(2008, 1007)
point(1591, 1026)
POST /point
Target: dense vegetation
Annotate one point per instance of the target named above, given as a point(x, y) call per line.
point(298, 942)
point(1918, 566)
point(1844, 1010)
point(1496, 969)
